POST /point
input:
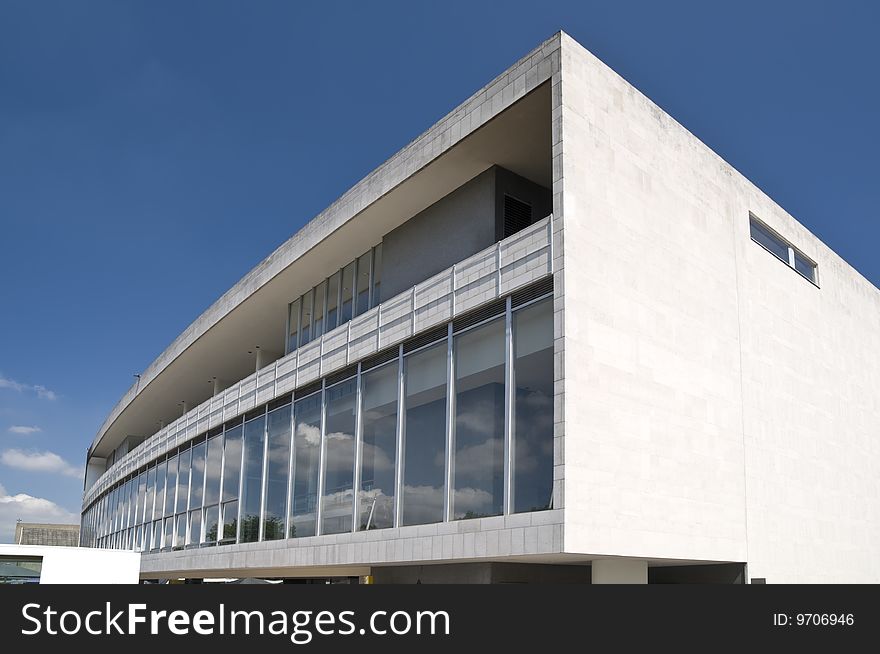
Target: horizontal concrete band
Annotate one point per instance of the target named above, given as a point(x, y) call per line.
point(518, 535)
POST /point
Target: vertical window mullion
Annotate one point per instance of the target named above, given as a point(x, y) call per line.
point(221, 517)
point(186, 525)
point(291, 470)
point(261, 525)
point(239, 503)
point(322, 460)
point(509, 443)
point(401, 441)
point(791, 256)
point(450, 427)
point(358, 450)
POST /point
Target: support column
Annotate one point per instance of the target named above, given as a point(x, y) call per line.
point(620, 571)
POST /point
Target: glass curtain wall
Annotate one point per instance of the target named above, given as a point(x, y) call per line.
point(306, 457)
point(533, 407)
point(478, 464)
point(213, 472)
point(196, 492)
point(467, 402)
point(252, 482)
point(339, 451)
point(159, 506)
point(378, 449)
point(424, 436)
point(231, 479)
point(277, 472)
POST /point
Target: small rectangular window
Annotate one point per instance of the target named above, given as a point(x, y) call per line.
point(773, 243)
point(804, 266)
point(782, 249)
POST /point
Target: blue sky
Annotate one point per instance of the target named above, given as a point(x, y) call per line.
point(151, 153)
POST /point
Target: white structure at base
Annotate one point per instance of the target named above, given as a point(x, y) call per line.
point(79, 565)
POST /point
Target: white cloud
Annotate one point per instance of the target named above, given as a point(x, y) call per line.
point(29, 509)
point(42, 392)
point(24, 429)
point(39, 462)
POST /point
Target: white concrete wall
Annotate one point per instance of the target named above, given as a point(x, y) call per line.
point(718, 406)
point(80, 565)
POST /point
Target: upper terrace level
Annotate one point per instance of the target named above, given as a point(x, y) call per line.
point(439, 200)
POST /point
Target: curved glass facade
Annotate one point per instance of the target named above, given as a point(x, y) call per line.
point(452, 427)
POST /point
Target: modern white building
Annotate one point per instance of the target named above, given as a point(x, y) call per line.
point(554, 338)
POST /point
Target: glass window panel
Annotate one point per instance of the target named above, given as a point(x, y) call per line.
point(377, 275)
point(347, 285)
point(293, 336)
point(157, 535)
point(278, 462)
point(320, 300)
point(252, 484)
point(305, 323)
point(168, 537)
point(151, 491)
point(332, 302)
point(132, 501)
point(133, 504)
point(212, 470)
point(126, 504)
point(478, 469)
point(339, 452)
point(363, 283)
point(232, 465)
point(183, 481)
point(114, 507)
point(142, 494)
point(769, 240)
point(212, 521)
point(180, 531)
point(533, 407)
point(159, 505)
point(425, 434)
point(230, 520)
point(120, 506)
point(171, 486)
point(197, 483)
point(804, 266)
point(379, 417)
point(307, 450)
point(195, 527)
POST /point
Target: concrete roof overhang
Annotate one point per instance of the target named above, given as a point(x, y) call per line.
point(252, 313)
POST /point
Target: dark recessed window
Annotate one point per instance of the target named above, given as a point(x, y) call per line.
point(517, 215)
point(782, 249)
